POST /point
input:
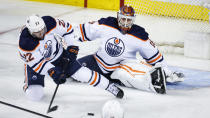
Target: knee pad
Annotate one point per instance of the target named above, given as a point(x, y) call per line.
point(35, 92)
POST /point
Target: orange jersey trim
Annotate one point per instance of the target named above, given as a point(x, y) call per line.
point(95, 78)
point(115, 67)
point(155, 59)
point(69, 28)
point(39, 66)
point(137, 37)
point(51, 29)
point(80, 25)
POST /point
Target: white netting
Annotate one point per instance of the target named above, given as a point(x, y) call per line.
point(169, 21)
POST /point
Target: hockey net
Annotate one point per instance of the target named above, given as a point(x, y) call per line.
point(169, 21)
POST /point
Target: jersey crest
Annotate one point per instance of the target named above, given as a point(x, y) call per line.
point(47, 49)
point(114, 47)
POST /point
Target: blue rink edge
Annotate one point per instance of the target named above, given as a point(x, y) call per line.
point(193, 79)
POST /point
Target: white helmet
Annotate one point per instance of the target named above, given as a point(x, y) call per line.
point(112, 109)
point(34, 23)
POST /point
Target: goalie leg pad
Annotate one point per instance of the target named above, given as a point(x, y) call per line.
point(158, 80)
point(135, 75)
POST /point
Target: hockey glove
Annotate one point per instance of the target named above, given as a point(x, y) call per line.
point(57, 75)
point(71, 53)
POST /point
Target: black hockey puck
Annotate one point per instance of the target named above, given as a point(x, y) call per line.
point(90, 114)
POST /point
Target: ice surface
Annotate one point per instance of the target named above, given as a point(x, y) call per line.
point(189, 99)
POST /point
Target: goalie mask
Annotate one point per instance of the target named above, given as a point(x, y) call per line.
point(126, 17)
point(36, 26)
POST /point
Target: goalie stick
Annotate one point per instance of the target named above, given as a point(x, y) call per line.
point(17, 107)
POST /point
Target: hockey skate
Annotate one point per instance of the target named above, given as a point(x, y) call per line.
point(158, 80)
point(116, 91)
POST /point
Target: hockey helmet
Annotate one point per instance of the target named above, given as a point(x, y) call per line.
point(126, 17)
point(36, 26)
point(112, 109)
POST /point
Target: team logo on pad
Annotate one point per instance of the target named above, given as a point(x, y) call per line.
point(114, 47)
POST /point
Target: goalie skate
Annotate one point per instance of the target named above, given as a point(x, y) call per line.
point(158, 80)
point(116, 91)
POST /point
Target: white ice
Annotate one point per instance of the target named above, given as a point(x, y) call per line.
point(186, 100)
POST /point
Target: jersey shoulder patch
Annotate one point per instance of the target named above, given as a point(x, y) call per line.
point(26, 41)
point(50, 22)
point(110, 21)
point(139, 32)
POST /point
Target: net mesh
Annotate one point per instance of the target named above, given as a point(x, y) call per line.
point(186, 9)
point(169, 21)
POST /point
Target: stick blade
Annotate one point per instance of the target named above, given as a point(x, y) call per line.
point(54, 108)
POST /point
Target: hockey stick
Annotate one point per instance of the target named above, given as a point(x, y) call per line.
point(62, 42)
point(25, 109)
point(50, 109)
point(54, 108)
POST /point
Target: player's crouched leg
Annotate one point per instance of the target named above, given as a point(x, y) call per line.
point(95, 79)
point(35, 92)
point(34, 85)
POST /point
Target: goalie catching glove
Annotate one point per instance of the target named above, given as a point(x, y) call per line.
point(57, 75)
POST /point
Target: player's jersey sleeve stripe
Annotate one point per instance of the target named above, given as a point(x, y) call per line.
point(95, 78)
point(155, 59)
point(83, 39)
point(91, 76)
point(83, 27)
point(99, 79)
point(69, 28)
point(152, 56)
point(160, 60)
point(68, 33)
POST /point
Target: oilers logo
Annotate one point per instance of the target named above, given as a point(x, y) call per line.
point(114, 47)
point(47, 49)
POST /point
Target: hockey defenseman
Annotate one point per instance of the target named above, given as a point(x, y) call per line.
point(120, 40)
point(41, 47)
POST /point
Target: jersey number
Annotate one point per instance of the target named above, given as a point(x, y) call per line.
point(27, 57)
point(61, 22)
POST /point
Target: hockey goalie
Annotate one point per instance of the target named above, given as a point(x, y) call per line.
point(140, 75)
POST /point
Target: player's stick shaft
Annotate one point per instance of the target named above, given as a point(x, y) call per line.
point(17, 107)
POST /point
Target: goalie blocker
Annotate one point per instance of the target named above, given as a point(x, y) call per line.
point(142, 76)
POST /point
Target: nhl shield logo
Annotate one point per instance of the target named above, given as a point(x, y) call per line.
point(114, 47)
